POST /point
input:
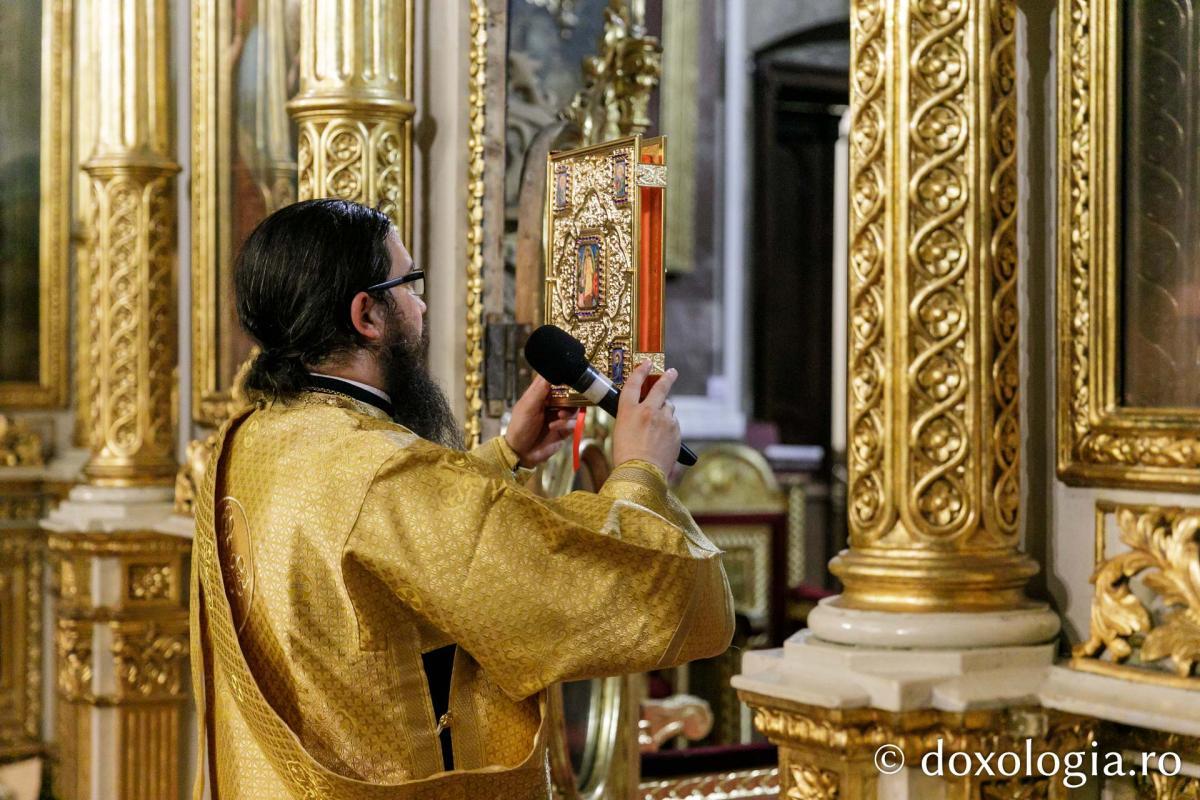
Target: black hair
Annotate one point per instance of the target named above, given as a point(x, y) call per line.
point(295, 278)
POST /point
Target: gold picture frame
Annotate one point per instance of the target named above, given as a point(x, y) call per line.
point(54, 217)
point(1100, 441)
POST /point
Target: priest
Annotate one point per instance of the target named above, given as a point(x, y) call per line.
point(378, 614)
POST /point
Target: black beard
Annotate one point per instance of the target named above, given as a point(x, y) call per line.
point(421, 405)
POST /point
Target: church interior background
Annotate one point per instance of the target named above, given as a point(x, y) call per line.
point(931, 290)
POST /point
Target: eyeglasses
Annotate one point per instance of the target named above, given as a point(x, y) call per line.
point(415, 277)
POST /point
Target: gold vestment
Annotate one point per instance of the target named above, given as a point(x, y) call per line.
point(334, 547)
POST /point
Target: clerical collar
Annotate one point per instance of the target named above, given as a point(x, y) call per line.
point(359, 391)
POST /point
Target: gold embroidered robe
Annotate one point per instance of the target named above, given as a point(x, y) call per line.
point(334, 547)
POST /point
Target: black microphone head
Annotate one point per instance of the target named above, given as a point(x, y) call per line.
point(556, 355)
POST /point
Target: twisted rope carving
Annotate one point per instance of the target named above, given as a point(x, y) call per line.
point(870, 510)
point(939, 259)
point(1006, 437)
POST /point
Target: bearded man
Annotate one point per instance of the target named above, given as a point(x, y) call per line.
point(377, 614)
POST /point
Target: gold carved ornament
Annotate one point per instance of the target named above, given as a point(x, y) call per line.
point(810, 782)
point(1143, 740)
point(620, 78)
point(476, 166)
point(1101, 442)
point(147, 619)
point(828, 753)
point(19, 446)
point(1165, 553)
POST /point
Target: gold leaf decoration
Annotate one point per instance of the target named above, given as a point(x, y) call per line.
point(1164, 552)
point(812, 783)
point(19, 446)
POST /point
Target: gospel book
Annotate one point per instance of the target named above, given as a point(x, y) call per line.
point(604, 254)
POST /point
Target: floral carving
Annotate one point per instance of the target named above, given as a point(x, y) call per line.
point(938, 260)
point(476, 164)
point(868, 346)
point(1002, 252)
point(73, 644)
point(1165, 552)
point(132, 357)
point(1164, 787)
point(933, 373)
point(149, 660)
point(19, 446)
point(150, 581)
point(344, 161)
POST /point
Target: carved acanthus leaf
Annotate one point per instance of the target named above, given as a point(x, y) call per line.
point(1165, 553)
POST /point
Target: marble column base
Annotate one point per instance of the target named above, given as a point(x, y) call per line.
point(833, 622)
point(814, 672)
point(104, 509)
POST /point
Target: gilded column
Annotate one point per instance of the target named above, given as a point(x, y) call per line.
point(129, 268)
point(120, 616)
point(934, 494)
point(933, 436)
point(354, 109)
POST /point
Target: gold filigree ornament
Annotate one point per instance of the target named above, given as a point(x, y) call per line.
point(619, 79)
point(1165, 553)
point(812, 783)
point(150, 660)
point(19, 446)
point(476, 164)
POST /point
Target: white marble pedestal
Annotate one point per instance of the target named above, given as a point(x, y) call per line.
point(859, 680)
point(814, 672)
point(105, 509)
point(119, 628)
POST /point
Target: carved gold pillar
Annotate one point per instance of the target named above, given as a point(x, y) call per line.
point(934, 495)
point(121, 642)
point(120, 621)
point(354, 108)
point(129, 266)
point(933, 439)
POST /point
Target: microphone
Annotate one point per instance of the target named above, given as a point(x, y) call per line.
point(559, 358)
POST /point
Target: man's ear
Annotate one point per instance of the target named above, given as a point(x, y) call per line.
point(366, 317)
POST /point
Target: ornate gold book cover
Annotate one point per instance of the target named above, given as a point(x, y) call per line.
point(604, 253)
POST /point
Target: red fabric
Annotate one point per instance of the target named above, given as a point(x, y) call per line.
point(578, 438)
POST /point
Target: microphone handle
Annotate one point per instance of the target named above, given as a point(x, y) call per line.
point(610, 402)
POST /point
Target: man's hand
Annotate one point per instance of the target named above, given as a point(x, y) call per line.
point(647, 429)
point(534, 432)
